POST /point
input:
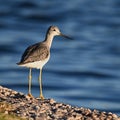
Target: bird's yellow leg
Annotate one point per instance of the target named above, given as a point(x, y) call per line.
point(40, 83)
point(30, 80)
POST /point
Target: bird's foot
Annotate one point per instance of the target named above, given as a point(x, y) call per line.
point(42, 97)
point(30, 95)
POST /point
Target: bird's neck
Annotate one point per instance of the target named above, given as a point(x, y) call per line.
point(48, 40)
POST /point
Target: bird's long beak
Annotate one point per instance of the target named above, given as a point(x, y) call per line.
point(65, 36)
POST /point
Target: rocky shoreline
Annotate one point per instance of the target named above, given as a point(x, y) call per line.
point(48, 109)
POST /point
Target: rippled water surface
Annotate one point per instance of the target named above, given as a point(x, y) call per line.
point(82, 72)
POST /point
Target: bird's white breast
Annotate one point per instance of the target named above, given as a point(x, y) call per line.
point(37, 64)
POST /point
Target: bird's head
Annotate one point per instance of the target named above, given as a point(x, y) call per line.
point(54, 30)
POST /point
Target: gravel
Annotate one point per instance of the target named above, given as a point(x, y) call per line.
point(48, 109)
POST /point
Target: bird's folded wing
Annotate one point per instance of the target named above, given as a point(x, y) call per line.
point(34, 53)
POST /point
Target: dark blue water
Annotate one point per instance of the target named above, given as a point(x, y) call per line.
point(82, 72)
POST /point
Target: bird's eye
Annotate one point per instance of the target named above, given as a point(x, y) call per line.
point(54, 30)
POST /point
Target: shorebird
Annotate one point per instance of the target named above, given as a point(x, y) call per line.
point(37, 55)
